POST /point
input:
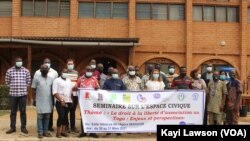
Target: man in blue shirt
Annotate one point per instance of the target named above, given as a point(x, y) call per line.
point(114, 83)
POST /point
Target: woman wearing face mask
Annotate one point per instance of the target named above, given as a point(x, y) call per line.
point(155, 83)
point(197, 82)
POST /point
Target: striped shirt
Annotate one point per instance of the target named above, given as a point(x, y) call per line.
point(17, 80)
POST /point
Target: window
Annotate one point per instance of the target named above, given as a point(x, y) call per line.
point(27, 8)
point(51, 8)
point(5, 7)
point(197, 13)
point(64, 8)
point(40, 7)
point(86, 10)
point(221, 14)
point(103, 10)
point(143, 11)
point(176, 12)
point(159, 11)
point(208, 13)
point(120, 10)
point(215, 13)
point(232, 14)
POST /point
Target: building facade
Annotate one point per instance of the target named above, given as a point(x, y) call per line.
point(189, 33)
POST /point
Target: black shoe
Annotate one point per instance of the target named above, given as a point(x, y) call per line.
point(75, 130)
point(11, 131)
point(51, 129)
point(40, 136)
point(82, 135)
point(47, 135)
point(64, 134)
point(24, 130)
point(108, 134)
point(118, 134)
point(93, 135)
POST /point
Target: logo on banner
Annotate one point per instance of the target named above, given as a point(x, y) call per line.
point(112, 97)
point(183, 123)
point(195, 96)
point(100, 97)
point(157, 95)
point(141, 98)
point(126, 98)
point(181, 96)
point(86, 95)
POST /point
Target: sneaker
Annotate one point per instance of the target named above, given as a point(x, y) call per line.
point(11, 131)
point(40, 136)
point(93, 135)
point(82, 135)
point(75, 130)
point(47, 135)
point(24, 130)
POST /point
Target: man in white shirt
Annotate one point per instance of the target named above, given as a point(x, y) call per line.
point(62, 91)
point(53, 74)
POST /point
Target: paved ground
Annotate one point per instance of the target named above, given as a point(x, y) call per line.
point(32, 136)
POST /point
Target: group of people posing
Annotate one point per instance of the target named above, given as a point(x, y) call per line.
point(223, 98)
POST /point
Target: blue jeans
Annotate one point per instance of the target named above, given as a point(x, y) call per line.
point(42, 123)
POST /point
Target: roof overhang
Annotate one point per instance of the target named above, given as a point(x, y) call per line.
point(72, 41)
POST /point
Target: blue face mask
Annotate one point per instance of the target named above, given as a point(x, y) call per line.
point(155, 76)
point(222, 77)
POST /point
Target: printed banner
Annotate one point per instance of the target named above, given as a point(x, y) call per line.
point(140, 111)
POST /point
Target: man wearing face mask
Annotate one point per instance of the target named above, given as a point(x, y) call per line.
point(233, 99)
point(114, 83)
point(103, 77)
point(96, 73)
point(132, 82)
point(146, 77)
point(217, 92)
point(207, 77)
point(73, 76)
point(171, 75)
point(62, 91)
point(53, 74)
point(182, 81)
point(18, 80)
point(42, 86)
point(87, 81)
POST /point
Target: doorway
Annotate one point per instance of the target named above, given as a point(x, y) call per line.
point(107, 62)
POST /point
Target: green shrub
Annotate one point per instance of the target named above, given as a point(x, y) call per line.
point(4, 97)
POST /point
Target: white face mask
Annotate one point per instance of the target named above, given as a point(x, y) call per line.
point(64, 75)
point(171, 70)
point(89, 74)
point(93, 66)
point(115, 76)
point(48, 64)
point(209, 69)
point(199, 76)
point(70, 67)
point(131, 73)
point(19, 64)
